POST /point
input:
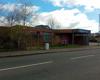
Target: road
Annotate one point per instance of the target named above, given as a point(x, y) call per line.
point(77, 65)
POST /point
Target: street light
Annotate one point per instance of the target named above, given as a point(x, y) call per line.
point(99, 31)
point(99, 24)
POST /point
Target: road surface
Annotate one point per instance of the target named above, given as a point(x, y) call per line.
point(77, 65)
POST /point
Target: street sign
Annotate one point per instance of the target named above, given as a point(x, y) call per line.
point(46, 37)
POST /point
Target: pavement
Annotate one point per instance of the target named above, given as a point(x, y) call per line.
point(36, 52)
point(79, 64)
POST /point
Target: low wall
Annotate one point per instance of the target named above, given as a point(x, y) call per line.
point(94, 43)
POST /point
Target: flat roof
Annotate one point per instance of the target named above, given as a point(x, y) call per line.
point(71, 31)
point(33, 29)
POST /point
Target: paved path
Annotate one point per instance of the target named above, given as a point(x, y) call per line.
point(34, 52)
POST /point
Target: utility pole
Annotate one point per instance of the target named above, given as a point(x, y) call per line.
point(99, 24)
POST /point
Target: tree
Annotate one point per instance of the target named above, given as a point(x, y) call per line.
point(26, 12)
point(21, 14)
point(11, 18)
point(21, 37)
point(53, 23)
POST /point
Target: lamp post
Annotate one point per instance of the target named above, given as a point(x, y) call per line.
point(99, 31)
point(99, 24)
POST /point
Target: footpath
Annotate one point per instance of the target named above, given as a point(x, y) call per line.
point(34, 52)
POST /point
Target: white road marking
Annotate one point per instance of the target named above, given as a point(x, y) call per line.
point(11, 68)
point(80, 57)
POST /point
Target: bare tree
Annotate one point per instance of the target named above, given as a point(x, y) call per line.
point(13, 17)
point(10, 18)
point(53, 23)
point(25, 12)
point(22, 14)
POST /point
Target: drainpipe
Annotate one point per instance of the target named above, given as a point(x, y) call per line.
point(72, 37)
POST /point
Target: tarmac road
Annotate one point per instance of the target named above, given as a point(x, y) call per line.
point(76, 65)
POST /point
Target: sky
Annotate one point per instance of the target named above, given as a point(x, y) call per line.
point(68, 14)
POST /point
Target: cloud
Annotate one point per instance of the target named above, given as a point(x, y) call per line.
point(3, 21)
point(61, 3)
point(69, 19)
point(88, 4)
point(12, 6)
point(7, 7)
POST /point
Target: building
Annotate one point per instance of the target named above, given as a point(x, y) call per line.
point(42, 34)
point(97, 37)
point(71, 36)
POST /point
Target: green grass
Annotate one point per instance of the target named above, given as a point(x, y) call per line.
point(42, 48)
point(6, 50)
point(65, 46)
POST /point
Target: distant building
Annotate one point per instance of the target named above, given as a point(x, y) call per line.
point(97, 37)
point(42, 27)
